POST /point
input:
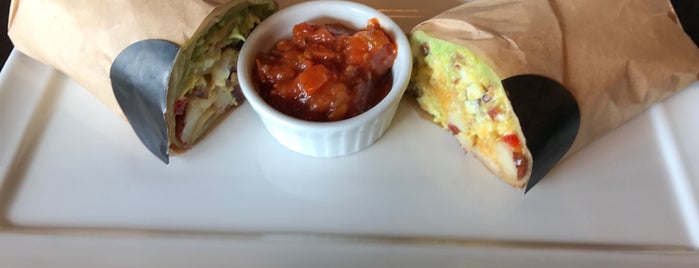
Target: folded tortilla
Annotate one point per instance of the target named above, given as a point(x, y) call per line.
point(82, 38)
point(613, 58)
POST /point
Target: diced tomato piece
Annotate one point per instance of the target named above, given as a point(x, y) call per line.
point(341, 101)
point(371, 48)
point(313, 78)
point(285, 45)
point(300, 32)
point(321, 53)
point(512, 140)
point(322, 35)
point(357, 50)
point(272, 73)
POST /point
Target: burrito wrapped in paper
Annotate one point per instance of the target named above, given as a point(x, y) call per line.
point(82, 38)
point(595, 64)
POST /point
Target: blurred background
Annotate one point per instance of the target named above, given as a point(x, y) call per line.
point(5, 44)
point(687, 11)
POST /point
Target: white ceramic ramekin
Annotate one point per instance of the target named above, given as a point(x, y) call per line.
point(324, 139)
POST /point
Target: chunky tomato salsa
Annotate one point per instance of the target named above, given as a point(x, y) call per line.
point(327, 72)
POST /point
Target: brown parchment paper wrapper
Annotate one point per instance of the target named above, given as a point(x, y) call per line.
point(122, 51)
point(81, 38)
point(615, 57)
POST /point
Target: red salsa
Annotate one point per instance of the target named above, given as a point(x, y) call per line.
point(327, 72)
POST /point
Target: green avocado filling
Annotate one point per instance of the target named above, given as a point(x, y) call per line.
point(450, 79)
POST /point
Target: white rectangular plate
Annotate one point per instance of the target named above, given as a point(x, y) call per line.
point(76, 181)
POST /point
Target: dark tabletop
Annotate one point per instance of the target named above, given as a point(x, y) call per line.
point(687, 10)
point(5, 44)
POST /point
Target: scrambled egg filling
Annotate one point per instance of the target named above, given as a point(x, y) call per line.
point(466, 97)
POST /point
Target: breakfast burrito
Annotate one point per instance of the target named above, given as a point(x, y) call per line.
point(204, 81)
point(82, 38)
point(523, 84)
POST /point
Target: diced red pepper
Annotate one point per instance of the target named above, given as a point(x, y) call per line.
point(512, 140)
